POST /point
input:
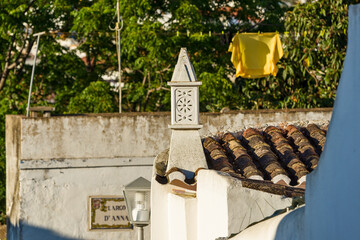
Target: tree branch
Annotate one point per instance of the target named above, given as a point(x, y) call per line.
point(165, 69)
point(313, 76)
point(151, 91)
point(144, 80)
point(22, 48)
point(6, 69)
point(23, 59)
point(29, 6)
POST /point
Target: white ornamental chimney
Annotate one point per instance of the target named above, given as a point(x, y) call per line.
point(186, 151)
point(184, 95)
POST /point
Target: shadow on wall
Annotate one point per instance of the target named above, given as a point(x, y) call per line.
point(26, 231)
point(292, 225)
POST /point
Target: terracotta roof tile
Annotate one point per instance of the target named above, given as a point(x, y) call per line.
point(285, 153)
point(303, 146)
point(316, 135)
point(281, 155)
point(217, 155)
point(240, 159)
point(262, 153)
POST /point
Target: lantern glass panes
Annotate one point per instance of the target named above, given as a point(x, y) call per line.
point(137, 196)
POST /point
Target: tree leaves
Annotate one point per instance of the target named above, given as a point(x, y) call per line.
point(96, 98)
point(319, 44)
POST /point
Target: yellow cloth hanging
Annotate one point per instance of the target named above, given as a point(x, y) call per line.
point(255, 55)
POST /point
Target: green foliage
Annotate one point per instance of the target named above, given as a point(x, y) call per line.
point(58, 69)
point(315, 48)
point(217, 92)
point(96, 98)
point(314, 53)
point(151, 45)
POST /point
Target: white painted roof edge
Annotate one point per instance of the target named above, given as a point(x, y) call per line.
point(279, 227)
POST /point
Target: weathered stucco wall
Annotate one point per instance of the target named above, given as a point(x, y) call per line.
point(94, 136)
point(134, 134)
point(54, 164)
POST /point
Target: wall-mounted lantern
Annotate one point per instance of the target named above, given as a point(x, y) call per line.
point(137, 197)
